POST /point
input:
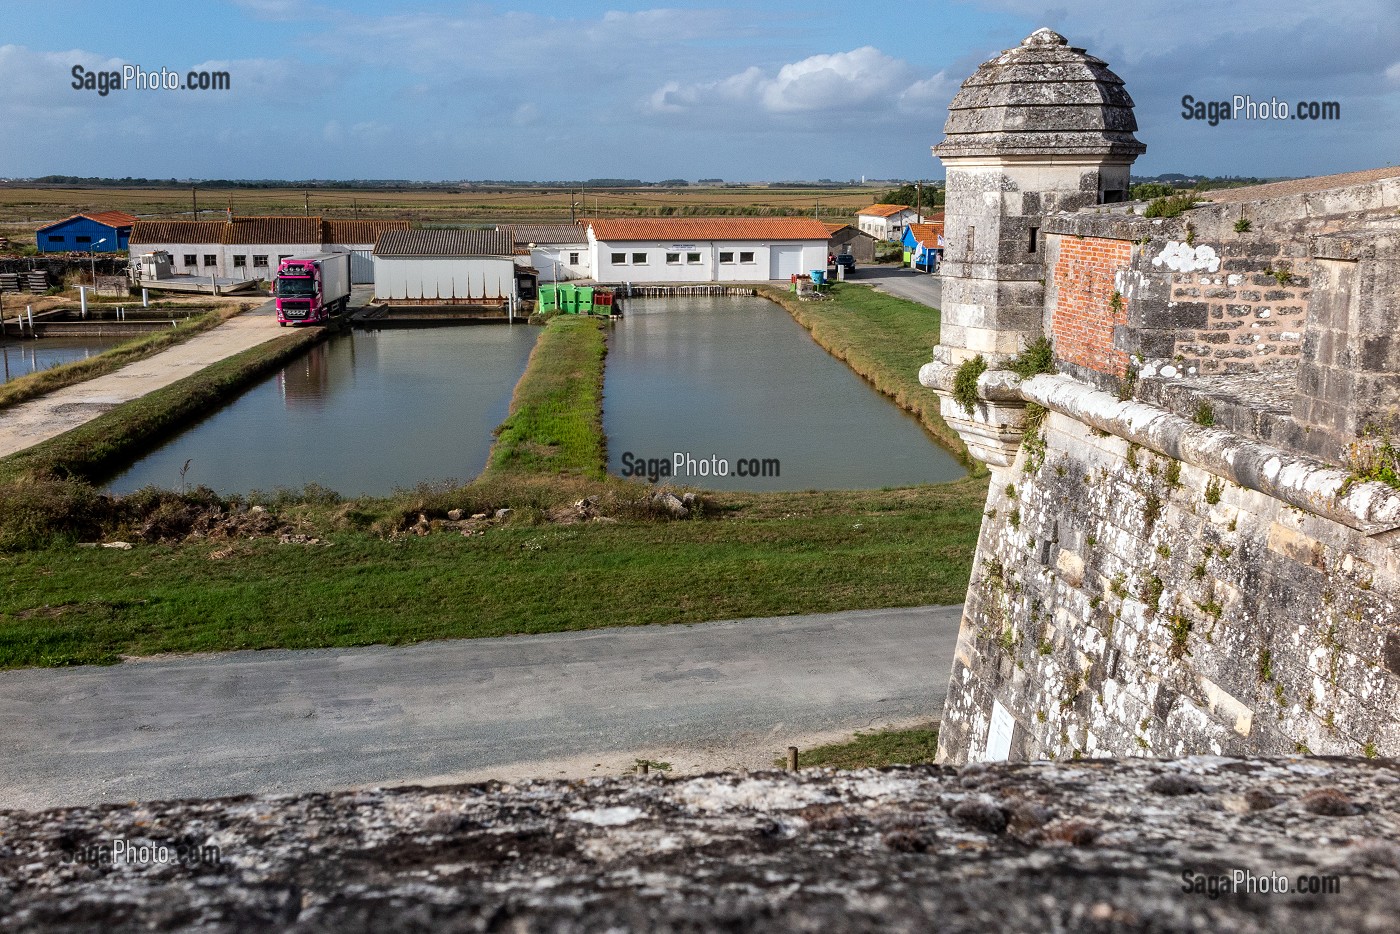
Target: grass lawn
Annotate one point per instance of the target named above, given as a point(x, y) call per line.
point(883, 338)
point(873, 750)
point(758, 555)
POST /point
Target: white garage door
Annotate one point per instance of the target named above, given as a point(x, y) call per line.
point(786, 261)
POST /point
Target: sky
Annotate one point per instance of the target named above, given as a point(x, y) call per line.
point(777, 90)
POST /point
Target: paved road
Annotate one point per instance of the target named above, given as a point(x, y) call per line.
point(904, 282)
point(64, 409)
point(711, 695)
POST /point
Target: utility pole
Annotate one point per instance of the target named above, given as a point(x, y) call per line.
point(572, 205)
point(919, 199)
point(306, 203)
point(194, 201)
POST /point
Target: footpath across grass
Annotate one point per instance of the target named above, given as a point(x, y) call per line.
point(884, 339)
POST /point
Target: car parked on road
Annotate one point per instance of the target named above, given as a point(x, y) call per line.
point(846, 260)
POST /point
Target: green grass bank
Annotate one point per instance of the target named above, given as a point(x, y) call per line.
point(751, 555)
point(555, 425)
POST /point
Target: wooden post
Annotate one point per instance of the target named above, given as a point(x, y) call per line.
point(642, 768)
point(792, 759)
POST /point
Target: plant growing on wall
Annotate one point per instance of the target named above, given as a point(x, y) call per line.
point(1205, 415)
point(1243, 225)
point(965, 382)
point(1170, 205)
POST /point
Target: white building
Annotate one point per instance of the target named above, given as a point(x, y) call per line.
point(887, 221)
point(559, 251)
point(196, 248)
point(705, 249)
point(253, 247)
point(445, 267)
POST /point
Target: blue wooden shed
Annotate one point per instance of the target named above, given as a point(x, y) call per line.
point(101, 232)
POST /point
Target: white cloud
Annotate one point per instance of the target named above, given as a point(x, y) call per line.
point(863, 80)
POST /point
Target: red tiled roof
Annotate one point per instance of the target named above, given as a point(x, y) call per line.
point(927, 234)
point(110, 218)
point(832, 228)
point(272, 230)
point(164, 232)
point(884, 210)
point(709, 228)
point(339, 230)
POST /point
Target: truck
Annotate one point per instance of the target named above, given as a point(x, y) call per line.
point(312, 289)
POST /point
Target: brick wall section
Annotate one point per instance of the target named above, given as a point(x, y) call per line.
point(1084, 317)
point(1256, 321)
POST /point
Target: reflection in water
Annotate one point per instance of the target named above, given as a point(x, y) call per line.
point(22, 357)
point(363, 413)
point(738, 379)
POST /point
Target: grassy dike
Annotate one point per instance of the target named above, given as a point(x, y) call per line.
point(885, 340)
point(555, 426)
point(365, 577)
point(109, 361)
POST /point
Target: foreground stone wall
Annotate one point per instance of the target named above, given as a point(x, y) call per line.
point(1124, 602)
point(1091, 846)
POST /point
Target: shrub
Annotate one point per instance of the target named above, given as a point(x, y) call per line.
point(1170, 205)
point(965, 382)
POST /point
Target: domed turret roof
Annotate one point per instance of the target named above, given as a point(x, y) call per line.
point(1042, 97)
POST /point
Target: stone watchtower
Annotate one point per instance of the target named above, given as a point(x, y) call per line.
point(1042, 127)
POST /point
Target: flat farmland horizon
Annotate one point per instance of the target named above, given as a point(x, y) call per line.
point(29, 207)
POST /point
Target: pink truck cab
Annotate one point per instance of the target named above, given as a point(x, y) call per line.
point(312, 289)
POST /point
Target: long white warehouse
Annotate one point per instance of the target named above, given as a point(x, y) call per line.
point(705, 249)
point(445, 267)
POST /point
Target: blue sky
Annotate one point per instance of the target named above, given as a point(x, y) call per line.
point(781, 90)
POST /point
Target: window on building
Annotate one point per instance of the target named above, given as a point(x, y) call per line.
point(673, 259)
point(191, 259)
point(726, 257)
point(639, 259)
point(1033, 243)
point(211, 259)
point(55, 238)
point(746, 256)
point(260, 260)
point(619, 259)
point(692, 259)
point(82, 239)
point(573, 259)
point(240, 261)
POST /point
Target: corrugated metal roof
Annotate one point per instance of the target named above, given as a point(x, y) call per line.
point(710, 228)
point(337, 230)
point(547, 233)
point(273, 230)
point(444, 243)
point(165, 232)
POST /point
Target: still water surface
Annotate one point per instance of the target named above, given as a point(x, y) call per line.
point(738, 378)
point(22, 357)
point(363, 413)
